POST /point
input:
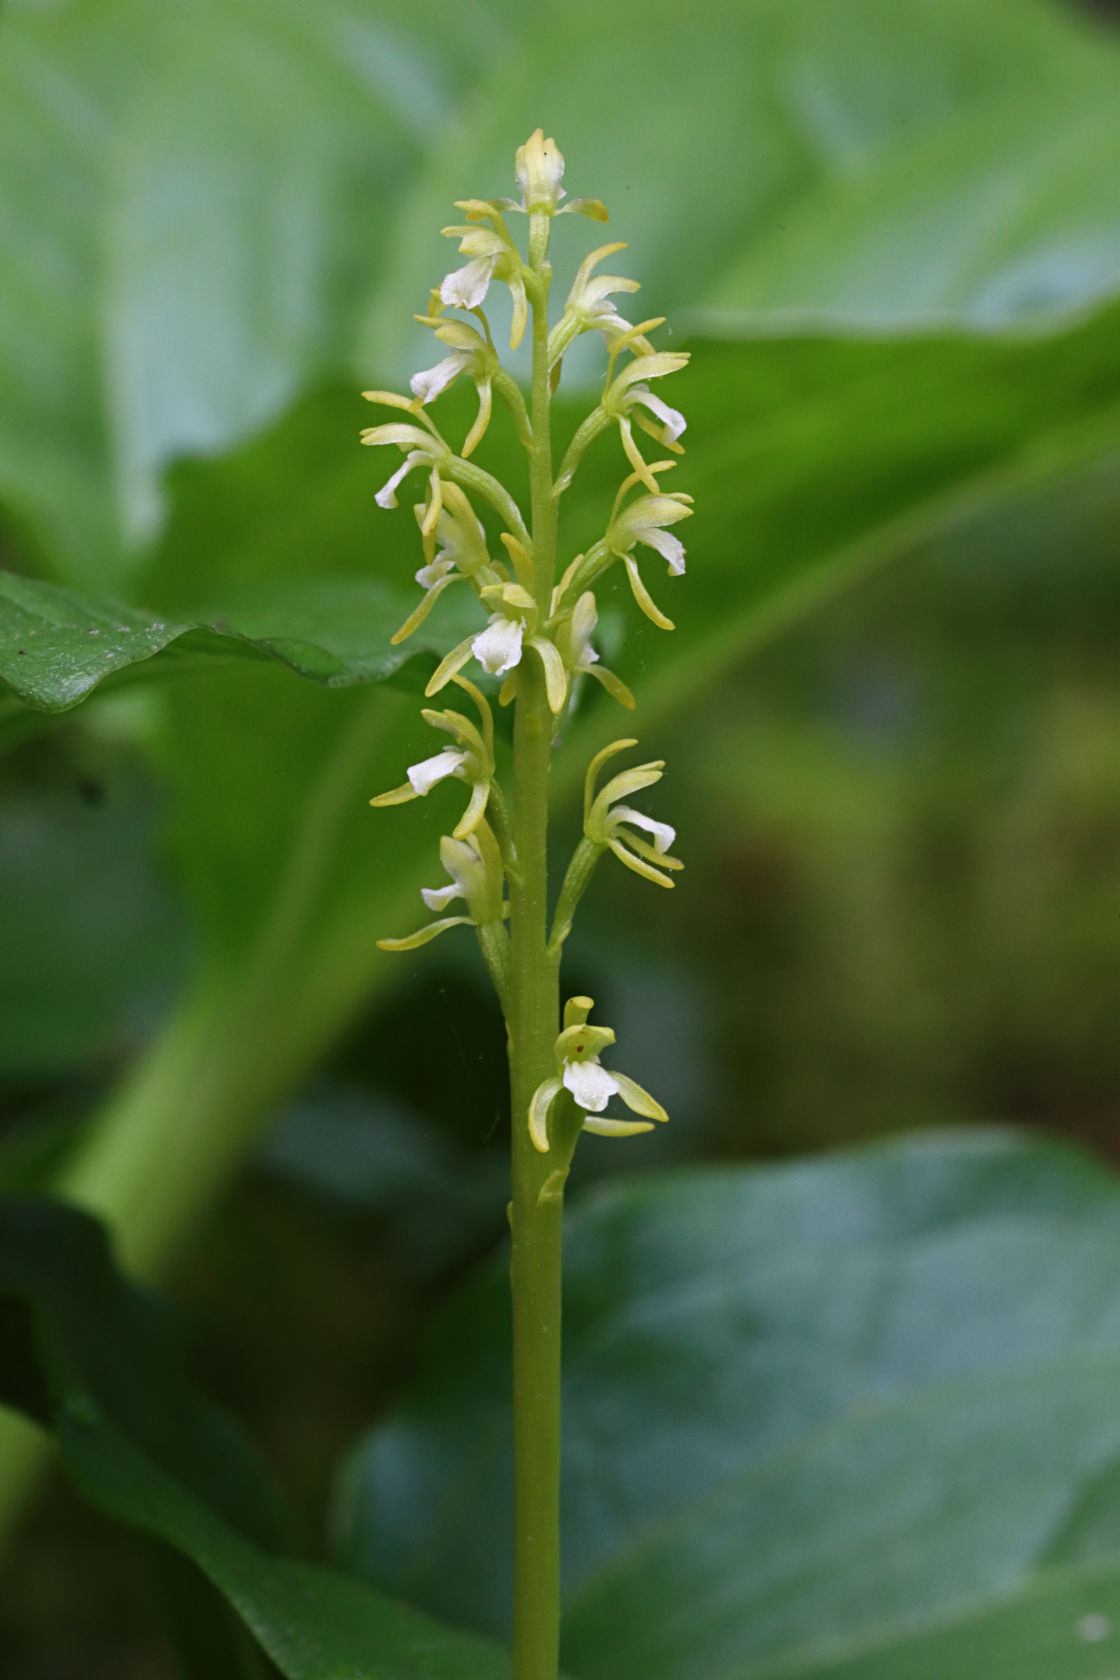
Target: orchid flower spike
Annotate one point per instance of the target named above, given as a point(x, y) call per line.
point(573, 641)
point(578, 1070)
point(645, 521)
point(608, 822)
point(475, 868)
point(470, 760)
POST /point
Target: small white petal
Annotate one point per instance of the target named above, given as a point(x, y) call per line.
point(671, 418)
point(663, 833)
point(465, 288)
point(429, 576)
point(667, 545)
point(590, 1084)
point(386, 497)
point(438, 898)
point(428, 384)
point(498, 647)
point(429, 771)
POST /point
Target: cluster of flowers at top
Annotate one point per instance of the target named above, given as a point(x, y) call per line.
point(455, 543)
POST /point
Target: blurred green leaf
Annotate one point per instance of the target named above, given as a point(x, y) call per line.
point(206, 215)
point(854, 1416)
point(93, 945)
point(104, 1367)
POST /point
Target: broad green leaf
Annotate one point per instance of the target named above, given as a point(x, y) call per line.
point(869, 165)
point(103, 1366)
point(207, 215)
point(854, 1416)
point(191, 207)
point(56, 646)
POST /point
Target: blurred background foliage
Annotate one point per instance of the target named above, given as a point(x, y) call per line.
point(901, 815)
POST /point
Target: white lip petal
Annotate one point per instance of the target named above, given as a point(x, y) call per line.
point(671, 418)
point(429, 576)
point(465, 288)
point(428, 384)
point(429, 771)
point(663, 833)
point(498, 647)
point(438, 898)
point(667, 545)
point(590, 1084)
point(386, 497)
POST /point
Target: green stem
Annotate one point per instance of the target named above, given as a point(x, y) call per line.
point(533, 1024)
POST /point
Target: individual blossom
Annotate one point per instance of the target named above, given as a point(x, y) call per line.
point(423, 447)
point(646, 521)
point(492, 256)
point(589, 308)
point(579, 1071)
point(628, 393)
point(609, 822)
point(460, 553)
point(539, 169)
point(573, 641)
point(470, 353)
point(500, 647)
point(470, 760)
point(474, 866)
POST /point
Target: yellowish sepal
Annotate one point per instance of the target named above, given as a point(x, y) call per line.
point(634, 454)
point(615, 1128)
point(542, 1100)
point(485, 407)
point(416, 618)
point(643, 597)
point(636, 1097)
point(555, 676)
point(396, 796)
point(577, 1009)
point(638, 865)
point(422, 937)
point(522, 562)
point(593, 769)
point(448, 666)
point(614, 686)
point(475, 811)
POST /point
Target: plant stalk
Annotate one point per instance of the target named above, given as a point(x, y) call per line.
point(533, 1022)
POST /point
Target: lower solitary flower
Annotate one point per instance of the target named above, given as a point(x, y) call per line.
point(578, 1070)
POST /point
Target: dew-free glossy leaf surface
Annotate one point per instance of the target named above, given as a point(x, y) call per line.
point(104, 1367)
point(57, 645)
point(856, 1416)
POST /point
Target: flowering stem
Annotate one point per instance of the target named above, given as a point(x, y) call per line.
point(542, 647)
point(533, 1022)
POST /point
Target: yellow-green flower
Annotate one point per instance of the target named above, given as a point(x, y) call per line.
point(578, 1070)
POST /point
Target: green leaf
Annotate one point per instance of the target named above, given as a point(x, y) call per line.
point(104, 1366)
point(57, 645)
point(207, 215)
point(854, 1416)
